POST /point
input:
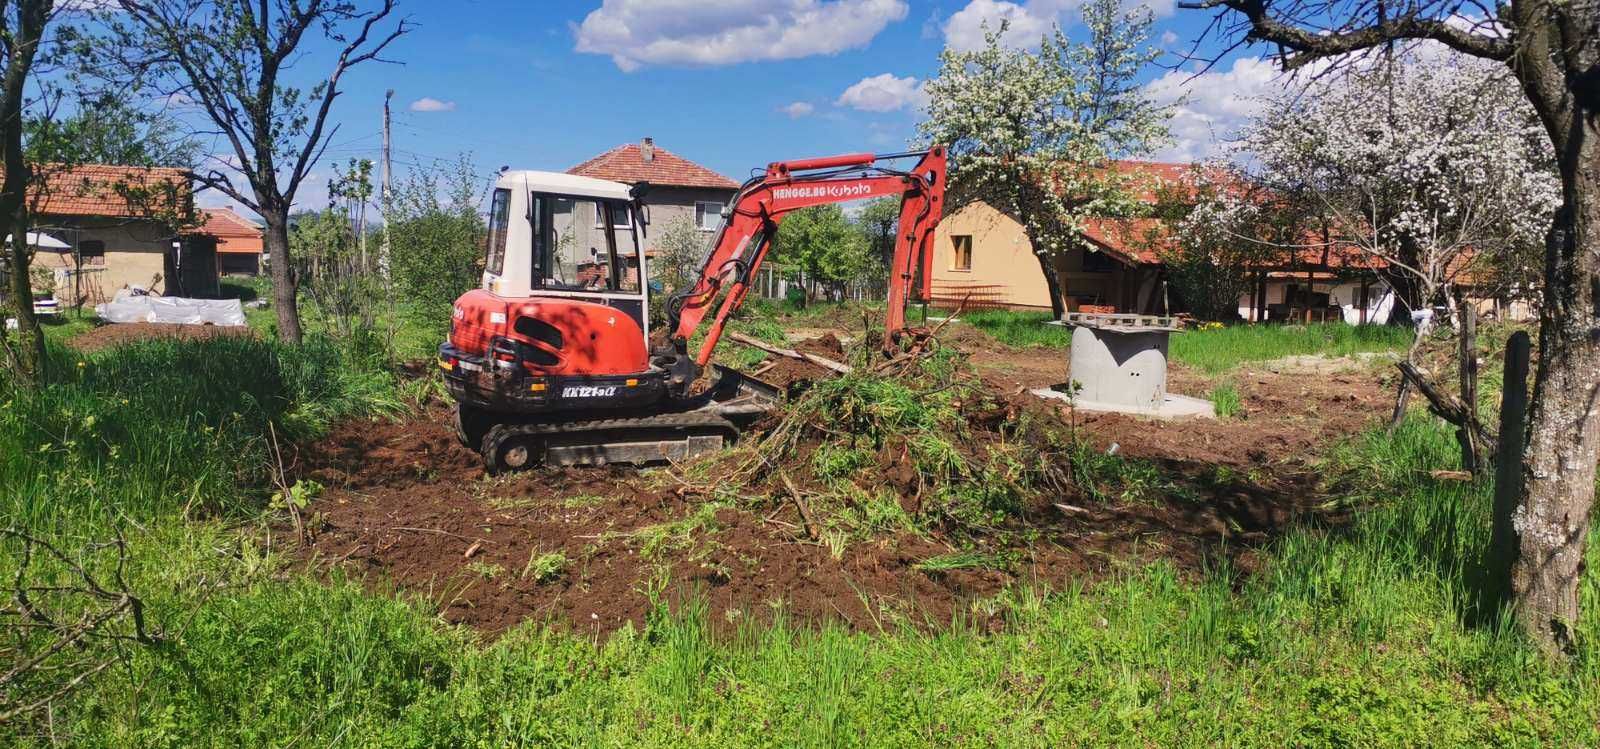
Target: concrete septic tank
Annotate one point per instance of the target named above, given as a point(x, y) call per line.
point(1118, 363)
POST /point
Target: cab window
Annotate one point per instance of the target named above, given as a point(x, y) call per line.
point(580, 258)
point(499, 221)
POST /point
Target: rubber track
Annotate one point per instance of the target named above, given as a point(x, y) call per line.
point(502, 432)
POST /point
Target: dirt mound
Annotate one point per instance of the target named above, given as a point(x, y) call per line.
point(581, 547)
point(405, 502)
point(106, 336)
point(789, 374)
point(587, 548)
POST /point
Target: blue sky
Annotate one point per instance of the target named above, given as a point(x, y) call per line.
point(732, 84)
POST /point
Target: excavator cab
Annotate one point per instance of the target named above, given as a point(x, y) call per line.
point(561, 321)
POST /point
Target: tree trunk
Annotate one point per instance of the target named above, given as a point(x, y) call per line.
point(1552, 519)
point(284, 295)
point(26, 355)
point(1058, 307)
point(24, 351)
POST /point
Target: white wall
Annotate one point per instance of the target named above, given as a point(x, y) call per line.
point(1380, 299)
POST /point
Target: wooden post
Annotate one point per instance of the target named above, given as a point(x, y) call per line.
point(1508, 462)
point(1365, 284)
point(1311, 285)
point(1261, 279)
point(1255, 297)
point(1470, 449)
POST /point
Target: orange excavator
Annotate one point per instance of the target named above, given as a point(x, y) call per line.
point(551, 362)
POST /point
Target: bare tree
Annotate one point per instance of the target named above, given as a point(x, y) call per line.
point(1553, 49)
point(231, 58)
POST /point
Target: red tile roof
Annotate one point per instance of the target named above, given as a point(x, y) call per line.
point(234, 233)
point(626, 164)
point(1144, 240)
point(110, 191)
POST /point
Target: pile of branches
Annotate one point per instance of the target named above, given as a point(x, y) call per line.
point(917, 444)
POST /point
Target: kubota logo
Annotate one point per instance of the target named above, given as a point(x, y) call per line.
point(819, 191)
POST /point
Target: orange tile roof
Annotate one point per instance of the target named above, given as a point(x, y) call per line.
point(1144, 240)
point(100, 190)
point(234, 233)
point(626, 163)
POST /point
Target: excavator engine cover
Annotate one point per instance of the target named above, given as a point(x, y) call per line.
point(544, 354)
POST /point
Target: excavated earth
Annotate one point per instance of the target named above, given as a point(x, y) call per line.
point(410, 510)
point(106, 336)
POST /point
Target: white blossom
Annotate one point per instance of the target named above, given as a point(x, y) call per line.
point(1422, 162)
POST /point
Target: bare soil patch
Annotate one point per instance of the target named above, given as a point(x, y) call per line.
point(107, 336)
point(409, 508)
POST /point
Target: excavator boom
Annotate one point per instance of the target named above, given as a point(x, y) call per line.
point(745, 238)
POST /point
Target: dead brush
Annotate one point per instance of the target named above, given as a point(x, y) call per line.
point(924, 434)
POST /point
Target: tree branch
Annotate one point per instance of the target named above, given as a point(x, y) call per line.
point(1312, 45)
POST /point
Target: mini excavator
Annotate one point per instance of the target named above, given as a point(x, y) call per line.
point(551, 361)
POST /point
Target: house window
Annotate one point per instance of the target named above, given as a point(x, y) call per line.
point(620, 216)
point(961, 257)
point(1098, 262)
point(707, 214)
point(92, 252)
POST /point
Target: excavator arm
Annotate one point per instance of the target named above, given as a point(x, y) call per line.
point(734, 258)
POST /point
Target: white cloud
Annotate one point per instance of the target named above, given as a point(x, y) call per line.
point(797, 109)
point(1213, 107)
point(964, 30)
point(884, 93)
point(1168, 38)
point(430, 104)
point(1028, 20)
point(693, 32)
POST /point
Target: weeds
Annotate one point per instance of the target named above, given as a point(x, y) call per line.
point(1225, 400)
point(968, 560)
point(543, 568)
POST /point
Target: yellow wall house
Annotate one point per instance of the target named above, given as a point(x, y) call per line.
point(983, 257)
point(118, 223)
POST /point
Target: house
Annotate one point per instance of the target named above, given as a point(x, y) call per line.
point(983, 257)
point(123, 226)
point(239, 241)
point(679, 188)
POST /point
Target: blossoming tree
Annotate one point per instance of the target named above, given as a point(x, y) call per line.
point(1426, 162)
point(1552, 49)
point(1031, 133)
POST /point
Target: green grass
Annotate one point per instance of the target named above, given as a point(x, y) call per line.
point(1225, 400)
point(1214, 350)
point(1375, 633)
point(1015, 328)
point(1221, 349)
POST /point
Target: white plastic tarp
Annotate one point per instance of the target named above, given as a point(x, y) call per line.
point(129, 307)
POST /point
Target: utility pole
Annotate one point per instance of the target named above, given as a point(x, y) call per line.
point(384, 194)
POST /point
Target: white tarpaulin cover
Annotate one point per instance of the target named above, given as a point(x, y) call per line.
point(130, 307)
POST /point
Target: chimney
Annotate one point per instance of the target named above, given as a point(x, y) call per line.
point(647, 148)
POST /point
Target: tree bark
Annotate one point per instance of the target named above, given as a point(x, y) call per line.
point(284, 287)
point(26, 357)
point(1508, 466)
point(1552, 519)
point(1058, 305)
